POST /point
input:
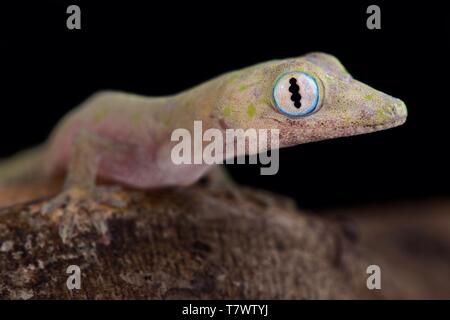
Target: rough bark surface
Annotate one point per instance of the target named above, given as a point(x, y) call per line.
point(197, 242)
point(410, 241)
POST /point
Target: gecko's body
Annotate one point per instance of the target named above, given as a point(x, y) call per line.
point(126, 139)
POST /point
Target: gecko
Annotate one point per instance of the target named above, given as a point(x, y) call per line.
point(125, 138)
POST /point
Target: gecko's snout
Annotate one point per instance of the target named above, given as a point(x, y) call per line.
point(377, 110)
point(395, 113)
point(400, 110)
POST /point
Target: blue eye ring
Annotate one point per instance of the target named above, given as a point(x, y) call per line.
point(309, 109)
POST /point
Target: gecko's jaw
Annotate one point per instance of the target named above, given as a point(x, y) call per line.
point(388, 116)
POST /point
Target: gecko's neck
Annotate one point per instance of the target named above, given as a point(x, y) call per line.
point(196, 104)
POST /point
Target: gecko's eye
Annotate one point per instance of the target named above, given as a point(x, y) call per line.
point(296, 94)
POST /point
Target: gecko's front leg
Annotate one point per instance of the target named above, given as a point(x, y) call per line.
point(85, 205)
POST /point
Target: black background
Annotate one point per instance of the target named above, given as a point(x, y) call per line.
point(47, 69)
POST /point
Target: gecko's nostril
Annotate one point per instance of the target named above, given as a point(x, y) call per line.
point(399, 108)
point(399, 112)
point(403, 109)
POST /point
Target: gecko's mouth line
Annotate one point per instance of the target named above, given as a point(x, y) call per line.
point(389, 124)
point(368, 128)
point(355, 127)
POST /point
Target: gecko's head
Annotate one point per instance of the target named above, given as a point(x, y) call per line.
point(308, 99)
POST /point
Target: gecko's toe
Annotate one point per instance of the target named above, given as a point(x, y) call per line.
point(81, 211)
point(55, 203)
point(75, 221)
point(109, 195)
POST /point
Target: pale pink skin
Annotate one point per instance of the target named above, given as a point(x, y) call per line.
point(145, 163)
point(139, 128)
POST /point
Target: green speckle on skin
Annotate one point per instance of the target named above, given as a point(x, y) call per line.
point(136, 116)
point(263, 100)
point(231, 77)
point(347, 118)
point(226, 111)
point(328, 76)
point(243, 87)
point(101, 114)
point(165, 120)
point(251, 110)
point(369, 97)
point(381, 115)
point(344, 69)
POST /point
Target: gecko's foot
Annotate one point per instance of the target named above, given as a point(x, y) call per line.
point(81, 210)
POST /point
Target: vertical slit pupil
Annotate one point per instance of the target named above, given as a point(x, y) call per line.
point(295, 90)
